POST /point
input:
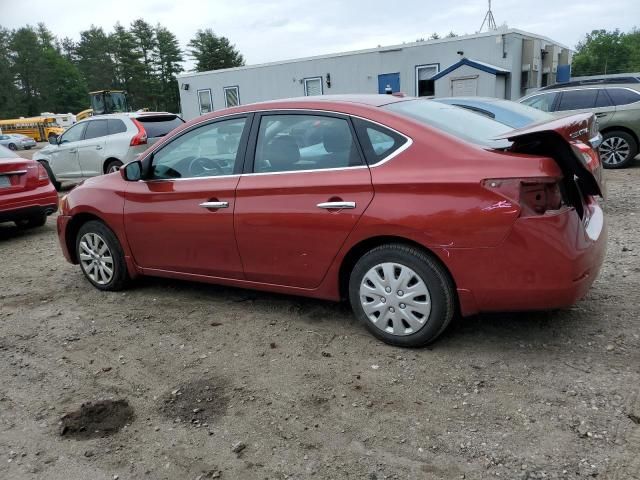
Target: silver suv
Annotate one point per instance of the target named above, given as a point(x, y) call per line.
point(102, 144)
point(617, 107)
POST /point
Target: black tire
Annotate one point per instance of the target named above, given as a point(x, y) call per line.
point(32, 222)
point(607, 149)
point(120, 276)
point(56, 184)
point(12, 146)
point(435, 277)
point(112, 166)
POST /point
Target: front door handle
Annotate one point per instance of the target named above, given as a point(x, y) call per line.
point(215, 205)
point(98, 147)
point(336, 205)
point(601, 115)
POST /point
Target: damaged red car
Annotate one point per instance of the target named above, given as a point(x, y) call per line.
point(410, 209)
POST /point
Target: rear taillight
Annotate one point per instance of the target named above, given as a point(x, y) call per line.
point(139, 138)
point(43, 176)
point(587, 154)
point(534, 196)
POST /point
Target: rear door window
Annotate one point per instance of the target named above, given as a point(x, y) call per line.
point(288, 143)
point(603, 100)
point(116, 126)
point(623, 96)
point(95, 129)
point(377, 141)
point(578, 99)
point(159, 126)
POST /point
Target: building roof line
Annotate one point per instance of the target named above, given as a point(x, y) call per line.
point(383, 49)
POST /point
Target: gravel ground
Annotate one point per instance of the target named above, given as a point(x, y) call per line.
point(179, 380)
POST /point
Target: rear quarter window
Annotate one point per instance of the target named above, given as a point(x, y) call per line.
point(159, 126)
point(623, 96)
point(377, 141)
point(116, 126)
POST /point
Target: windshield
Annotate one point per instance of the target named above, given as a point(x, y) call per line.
point(459, 122)
point(6, 153)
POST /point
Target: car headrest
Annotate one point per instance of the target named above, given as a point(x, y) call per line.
point(282, 152)
point(336, 139)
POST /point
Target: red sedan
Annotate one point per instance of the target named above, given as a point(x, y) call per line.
point(27, 196)
point(409, 208)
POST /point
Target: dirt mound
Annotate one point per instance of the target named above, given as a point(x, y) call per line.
point(97, 419)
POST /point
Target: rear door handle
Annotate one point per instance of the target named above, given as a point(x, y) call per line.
point(73, 150)
point(601, 115)
point(98, 147)
point(336, 205)
point(215, 205)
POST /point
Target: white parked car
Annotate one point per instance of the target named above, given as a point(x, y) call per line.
point(102, 144)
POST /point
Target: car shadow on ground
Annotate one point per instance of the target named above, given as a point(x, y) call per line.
point(510, 330)
point(9, 231)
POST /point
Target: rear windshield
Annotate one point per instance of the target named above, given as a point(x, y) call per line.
point(159, 126)
point(459, 122)
point(6, 153)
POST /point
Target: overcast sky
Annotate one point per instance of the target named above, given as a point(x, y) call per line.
point(266, 31)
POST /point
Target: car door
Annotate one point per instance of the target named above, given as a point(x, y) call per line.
point(91, 148)
point(64, 155)
point(180, 217)
point(306, 188)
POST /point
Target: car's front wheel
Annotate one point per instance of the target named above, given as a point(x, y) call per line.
point(101, 257)
point(12, 146)
point(618, 149)
point(402, 295)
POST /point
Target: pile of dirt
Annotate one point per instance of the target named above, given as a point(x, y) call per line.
point(97, 419)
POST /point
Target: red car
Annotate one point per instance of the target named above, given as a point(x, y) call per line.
point(409, 208)
point(27, 196)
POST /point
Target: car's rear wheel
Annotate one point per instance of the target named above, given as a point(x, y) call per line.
point(618, 149)
point(113, 166)
point(32, 222)
point(12, 146)
point(101, 257)
point(402, 295)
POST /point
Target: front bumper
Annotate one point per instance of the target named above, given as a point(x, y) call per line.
point(545, 263)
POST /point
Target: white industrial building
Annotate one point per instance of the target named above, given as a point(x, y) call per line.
point(503, 63)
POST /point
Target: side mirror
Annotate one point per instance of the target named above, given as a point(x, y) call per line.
point(132, 172)
point(54, 139)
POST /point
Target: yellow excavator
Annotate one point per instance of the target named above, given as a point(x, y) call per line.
point(105, 101)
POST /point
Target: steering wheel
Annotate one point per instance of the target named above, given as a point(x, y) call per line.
point(205, 167)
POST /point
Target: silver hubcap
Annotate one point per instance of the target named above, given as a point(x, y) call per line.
point(614, 150)
point(96, 258)
point(113, 168)
point(395, 299)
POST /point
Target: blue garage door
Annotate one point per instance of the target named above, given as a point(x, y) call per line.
point(390, 79)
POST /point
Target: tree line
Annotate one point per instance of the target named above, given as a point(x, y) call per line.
point(40, 72)
point(603, 51)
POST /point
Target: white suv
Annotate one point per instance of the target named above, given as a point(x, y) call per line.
point(102, 144)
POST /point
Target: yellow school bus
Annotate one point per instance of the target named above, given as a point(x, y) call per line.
point(38, 128)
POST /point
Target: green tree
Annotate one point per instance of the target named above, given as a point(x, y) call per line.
point(26, 62)
point(128, 67)
point(147, 85)
point(94, 58)
point(9, 93)
point(168, 59)
point(212, 52)
point(602, 52)
point(434, 36)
